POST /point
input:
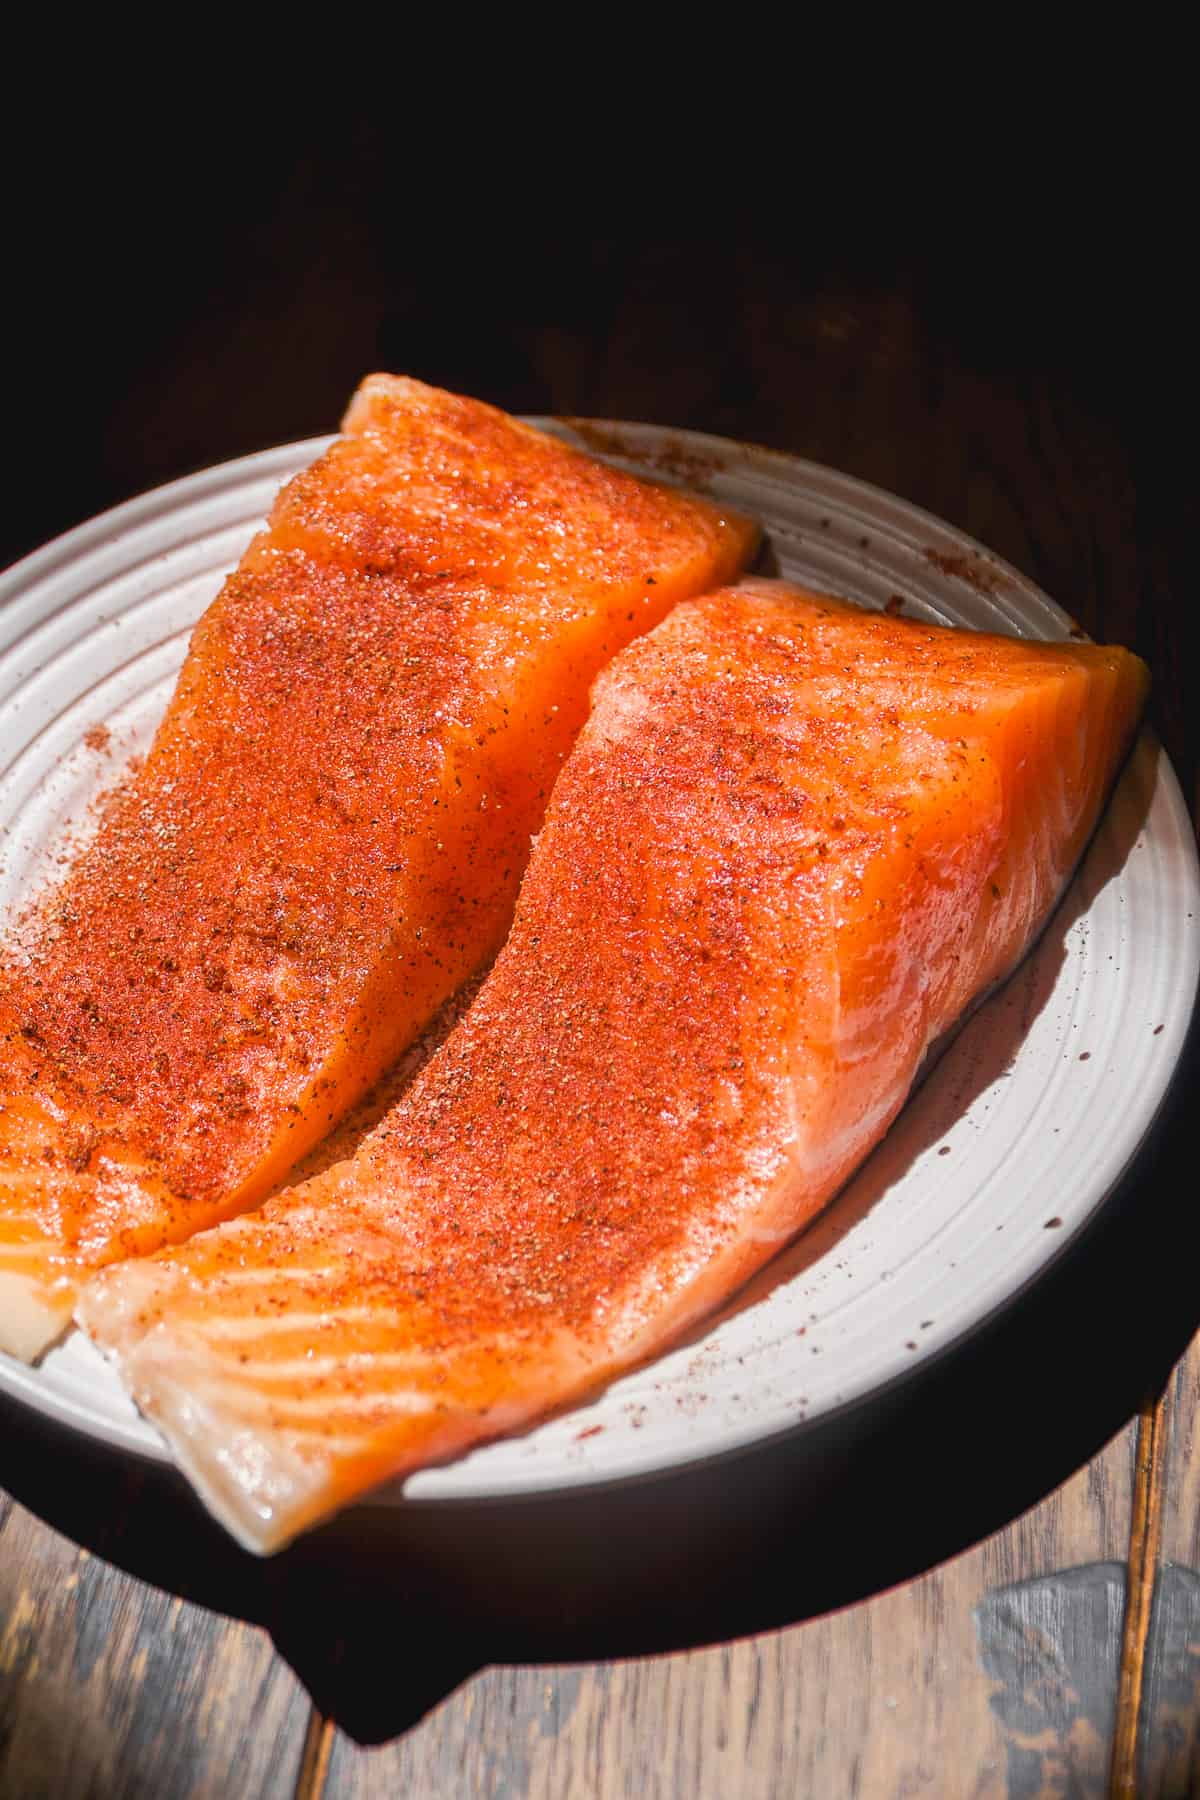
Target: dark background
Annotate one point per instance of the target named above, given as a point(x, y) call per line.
point(1006, 339)
point(974, 297)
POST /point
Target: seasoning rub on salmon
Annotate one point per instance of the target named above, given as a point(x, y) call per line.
point(328, 834)
point(792, 843)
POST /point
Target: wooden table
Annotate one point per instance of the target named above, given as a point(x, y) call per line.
point(990, 1585)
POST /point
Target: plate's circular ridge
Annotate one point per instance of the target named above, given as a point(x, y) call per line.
point(1002, 1156)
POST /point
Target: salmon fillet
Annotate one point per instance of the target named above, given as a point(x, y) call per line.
point(792, 844)
point(328, 834)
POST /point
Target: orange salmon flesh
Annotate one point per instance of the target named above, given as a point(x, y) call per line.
point(328, 834)
point(793, 842)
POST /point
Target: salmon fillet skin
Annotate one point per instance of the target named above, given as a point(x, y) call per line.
point(328, 834)
point(793, 842)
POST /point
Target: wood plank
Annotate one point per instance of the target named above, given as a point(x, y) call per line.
point(1168, 1751)
point(109, 1686)
point(1142, 1565)
point(1000, 1666)
point(314, 1761)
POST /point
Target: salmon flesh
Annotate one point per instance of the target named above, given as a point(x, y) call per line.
point(328, 834)
point(792, 844)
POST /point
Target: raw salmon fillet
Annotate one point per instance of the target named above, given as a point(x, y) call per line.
point(791, 845)
point(328, 834)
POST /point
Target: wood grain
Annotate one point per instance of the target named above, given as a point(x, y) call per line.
point(1167, 1762)
point(887, 1697)
point(1142, 1564)
point(110, 1687)
point(314, 1758)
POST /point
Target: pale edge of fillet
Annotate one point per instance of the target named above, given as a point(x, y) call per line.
point(262, 1491)
point(30, 1322)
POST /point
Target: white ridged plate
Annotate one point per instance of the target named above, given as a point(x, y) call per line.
point(1004, 1154)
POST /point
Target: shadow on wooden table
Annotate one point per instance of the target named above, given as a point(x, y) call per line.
point(386, 1610)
